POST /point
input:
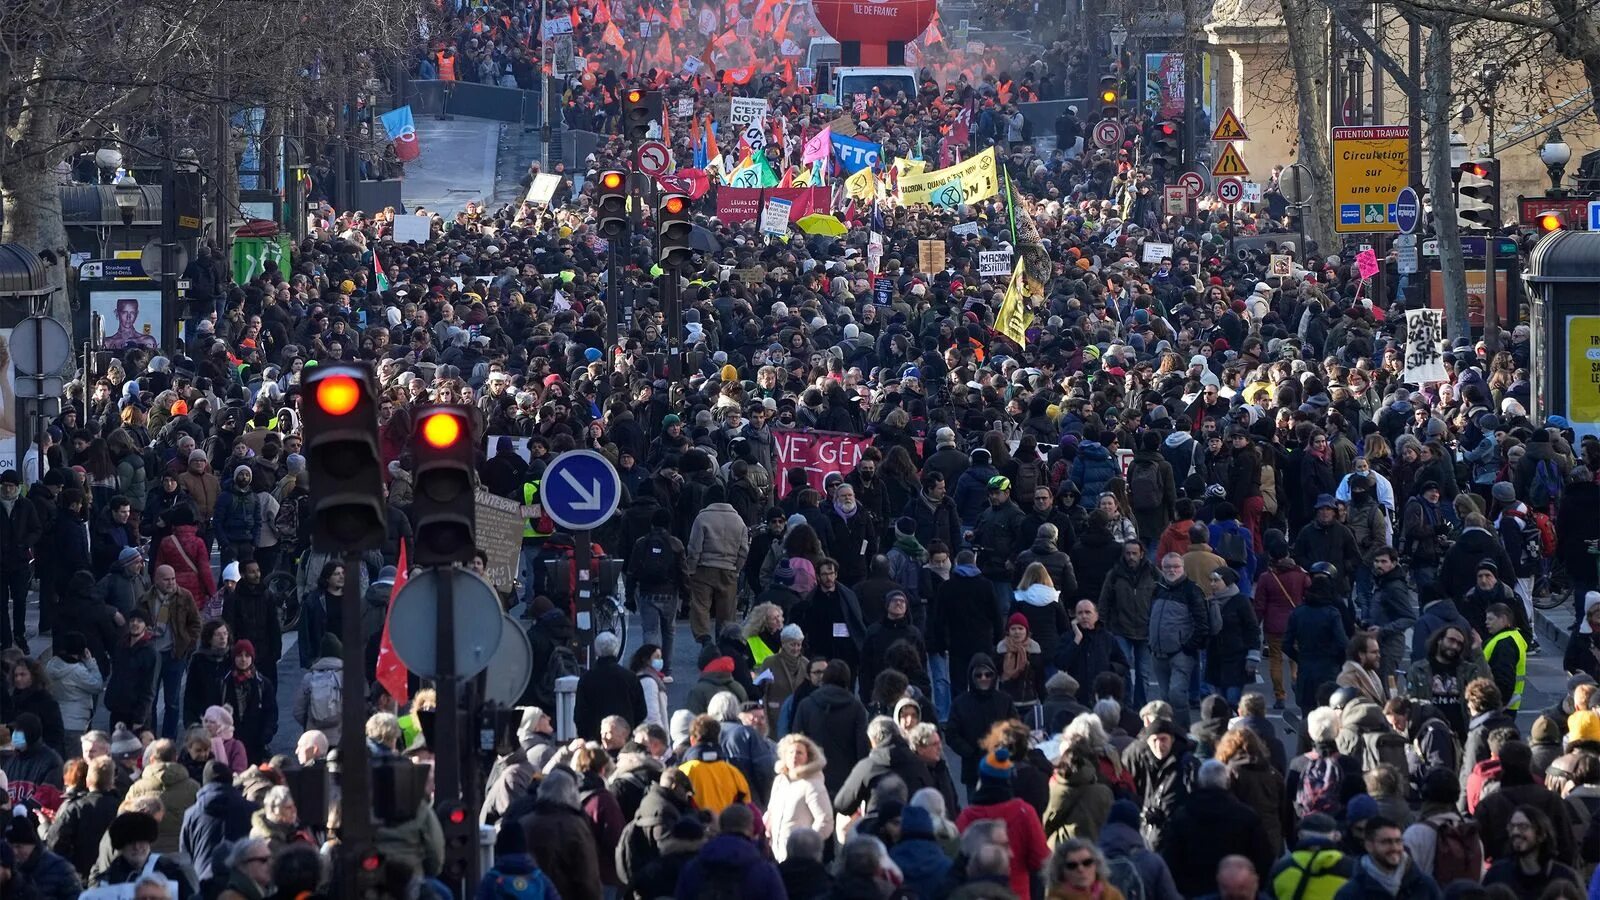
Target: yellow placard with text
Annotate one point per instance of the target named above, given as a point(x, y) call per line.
point(1371, 164)
point(975, 179)
point(1583, 373)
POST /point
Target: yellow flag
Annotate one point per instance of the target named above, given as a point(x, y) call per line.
point(906, 167)
point(861, 185)
point(969, 181)
point(801, 177)
point(1013, 318)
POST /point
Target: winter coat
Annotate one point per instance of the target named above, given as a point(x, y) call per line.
point(1095, 554)
point(718, 539)
point(220, 815)
point(962, 619)
point(1097, 652)
point(79, 825)
point(1029, 850)
point(325, 669)
point(837, 721)
point(880, 637)
point(923, 864)
point(1279, 589)
point(179, 550)
point(254, 701)
point(76, 688)
point(1047, 618)
point(971, 492)
point(170, 782)
point(131, 690)
point(1179, 619)
point(1127, 598)
point(710, 684)
point(972, 712)
point(1315, 640)
point(1458, 571)
point(730, 859)
point(895, 758)
point(997, 539)
point(607, 689)
point(941, 521)
point(202, 687)
point(1494, 813)
point(1122, 842)
point(1092, 468)
point(566, 847)
point(1079, 804)
point(1057, 562)
point(236, 518)
point(1435, 616)
point(1230, 650)
point(50, 876)
point(1414, 885)
point(1161, 784)
point(799, 800)
point(1209, 825)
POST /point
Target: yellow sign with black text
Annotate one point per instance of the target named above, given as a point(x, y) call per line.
point(1371, 164)
point(967, 181)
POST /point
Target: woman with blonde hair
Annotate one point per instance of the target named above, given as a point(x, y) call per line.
point(799, 796)
point(762, 631)
point(1037, 599)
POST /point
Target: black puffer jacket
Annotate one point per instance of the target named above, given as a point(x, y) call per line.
point(837, 721)
point(971, 715)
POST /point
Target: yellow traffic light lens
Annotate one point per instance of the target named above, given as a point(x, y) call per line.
point(441, 430)
point(635, 96)
point(1108, 96)
point(1549, 222)
point(338, 395)
point(611, 180)
point(674, 205)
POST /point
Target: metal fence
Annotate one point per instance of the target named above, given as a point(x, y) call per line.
point(479, 101)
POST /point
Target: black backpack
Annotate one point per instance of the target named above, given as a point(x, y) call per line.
point(654, 561)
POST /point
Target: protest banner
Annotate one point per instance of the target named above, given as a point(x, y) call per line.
point(930, 256)
point(499, 524)
point(819, 453)
point(1156, 251)
point(1424, 330)
point(744, 110)
point(854, 154)
point(976, 179)
point(994, 263)
point(736, 205)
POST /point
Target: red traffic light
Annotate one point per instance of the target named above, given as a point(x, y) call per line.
point(1168, 129)
point(371, 861)
point(338, 395)
point(1472, 168)
point(611, 180)
point(674, 205)
point(458, 816)
point(441, 430)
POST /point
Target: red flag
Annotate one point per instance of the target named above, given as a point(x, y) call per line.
point(602, 13)
point(391, 671)
point(675, 18)
point(613, 37)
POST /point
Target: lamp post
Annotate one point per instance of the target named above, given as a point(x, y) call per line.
point(1490, 75)
point(127, 193)
point(1555, 153)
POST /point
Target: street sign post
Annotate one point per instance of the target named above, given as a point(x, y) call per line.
point(1371, 165)
point(1230, 163)
point(476, 616)
point(1230, 190)
point(1108, 134)
point(1175, 199)
point(580, 491)
point(652, 158)
point(1229, 128)
point(1407, 210)
point(1194, 183)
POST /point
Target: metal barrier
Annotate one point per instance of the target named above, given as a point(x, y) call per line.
point(479, 101)
point(566, 707)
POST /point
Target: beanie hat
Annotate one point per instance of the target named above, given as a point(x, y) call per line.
point(242, 647)
point(916, 822)
point(1504, 492)
point(1546, 730)
point(1123, 812)
point(1360, 808)
point(23, 827)
point(996, 764)
point(230, 572)
point(124, 742)
point(1017, 619)
point(132, 828)
point(217, 772)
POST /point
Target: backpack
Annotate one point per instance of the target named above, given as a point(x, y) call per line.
point(1547, 533)
point(654, 562)
point(286, 524)
point(1320, 787)
point(1125, 877)
point(326, 697)
point(1381, 748)
point(1144, 486)
point(1030, 474)
point(1546, 486)
point(1313, 882)
point(563, 662)
point(1232, 548)
point(1457, 851)
point(519, 887)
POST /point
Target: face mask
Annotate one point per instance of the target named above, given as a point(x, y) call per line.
point(19, 741)
point(658, 664)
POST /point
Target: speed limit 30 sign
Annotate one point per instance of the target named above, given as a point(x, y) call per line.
point(1230, 190)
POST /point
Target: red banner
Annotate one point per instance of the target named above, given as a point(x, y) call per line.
point(735, 205)
point(820, 453)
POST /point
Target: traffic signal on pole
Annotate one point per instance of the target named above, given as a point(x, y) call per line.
point(348, 511)
point(1110, 97)
point(672, 220)
point(369, 872)
point(460, 837)
point(1478, 195)
point(443, 505)
point(1167, 143)
point(640, 109)
point(1549, 221)
point(611, 210)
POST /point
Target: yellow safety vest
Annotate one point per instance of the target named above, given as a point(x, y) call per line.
point(530, 525)
point(759, 650)
point(1514, 702)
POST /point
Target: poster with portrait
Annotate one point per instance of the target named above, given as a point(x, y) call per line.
point(128, 318)
point(8, 404)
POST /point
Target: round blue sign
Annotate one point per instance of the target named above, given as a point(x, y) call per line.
point(580, 490)
point(1407, 210)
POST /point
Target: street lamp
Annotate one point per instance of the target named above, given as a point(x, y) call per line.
point(127, 193)
point(1555, 153)
point(1490, 76)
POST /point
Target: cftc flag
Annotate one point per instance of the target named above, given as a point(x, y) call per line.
point(1013, 318)
point(402, 130)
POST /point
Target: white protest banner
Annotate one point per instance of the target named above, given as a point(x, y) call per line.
point(557, 25)
point(693, 65)
point(1424, 330)
point(1156, 251)
point(775, 217)
point(967, 228)
point(412, 228)
point(994, 263)
point(874, 250)
point(543, 188)
point(1252, 192)
point(745, 110)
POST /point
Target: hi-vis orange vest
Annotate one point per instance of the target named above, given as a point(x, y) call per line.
point(447, 65)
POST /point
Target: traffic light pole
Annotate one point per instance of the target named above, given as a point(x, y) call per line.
point(447, 728)
point(613, 296)
point(355, 771)
point(674, 312)
point(1491, 314)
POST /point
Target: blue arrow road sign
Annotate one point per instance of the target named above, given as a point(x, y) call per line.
point(580, 490)
point(1407, 210)
point(1594, 215)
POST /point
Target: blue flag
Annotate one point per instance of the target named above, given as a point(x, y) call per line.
point(854, 154)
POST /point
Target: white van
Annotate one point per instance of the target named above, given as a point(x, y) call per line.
point(889, 80)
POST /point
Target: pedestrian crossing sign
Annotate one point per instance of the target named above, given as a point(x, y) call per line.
point(1229, 163)
point(1229, 128)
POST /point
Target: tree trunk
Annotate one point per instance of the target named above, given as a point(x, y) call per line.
point(29, 195)
point(1436, 117)
point(1579, 39)
point(1306, 25)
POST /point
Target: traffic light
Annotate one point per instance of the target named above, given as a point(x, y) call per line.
point(640, 109)
point(611, 211)
point(443, 507)
point(1478, 195)
point(672, 220)
point(1549, 221)
point(369, 872)
point(460, 839)
point(1110, 97)
point(343, 461)
point(1167, 143)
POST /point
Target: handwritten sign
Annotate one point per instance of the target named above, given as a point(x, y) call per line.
point(994, 263)
point(1424, 330)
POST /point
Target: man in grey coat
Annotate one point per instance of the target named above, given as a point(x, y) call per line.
point(718, 542)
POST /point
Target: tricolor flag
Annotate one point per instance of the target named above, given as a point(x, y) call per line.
point(381, 279)
point(391, 671)
point(402, 128)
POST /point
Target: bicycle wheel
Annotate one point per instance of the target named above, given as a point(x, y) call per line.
point(1553, 590)
point(284, 596)
point(608, 616)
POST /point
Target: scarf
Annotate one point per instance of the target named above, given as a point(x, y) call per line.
point(908, 545)
point(847, 516)
point(1015, 662)
point(1389, 881)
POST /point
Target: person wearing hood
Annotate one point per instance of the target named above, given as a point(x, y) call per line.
point(1315, 636)
point(800, 797)
point(1459, 567)
point(1079, 800)
point(971, 491)
point(836, 720)
point(895, 626)
point(1126, 602)
point(995, 799)
point(1094, 465)
point(1121, 841)
point(220, 815)
point(974, 712)
point(1038, 597)
point(1233, 652)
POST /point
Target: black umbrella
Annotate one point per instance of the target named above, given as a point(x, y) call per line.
point(701, 238)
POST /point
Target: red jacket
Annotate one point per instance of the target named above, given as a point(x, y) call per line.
point(187, 555)
point(1025, 831)
point(1279, 590)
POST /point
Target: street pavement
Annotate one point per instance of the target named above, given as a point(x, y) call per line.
point(458, 164)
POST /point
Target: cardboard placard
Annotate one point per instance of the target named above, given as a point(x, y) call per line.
point(930, 256)
point(1156, 251)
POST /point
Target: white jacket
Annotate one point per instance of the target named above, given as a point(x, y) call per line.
point(76, 687)
point(799, 800)
point(657, 709)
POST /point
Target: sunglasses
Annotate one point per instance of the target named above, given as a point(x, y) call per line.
point(983, 676)
point(1074, 865)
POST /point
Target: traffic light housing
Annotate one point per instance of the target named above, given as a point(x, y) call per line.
point(368, 862)
point(443, 508)
point(611, 208)
point(340, 414)
point(460, 840)
point(1549, 221)
point(1110, 97)
point(1478, 195)
point(1167, 143)
point(674, 226)
point(640, 109)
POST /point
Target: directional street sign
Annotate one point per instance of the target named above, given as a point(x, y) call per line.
point(1108, 134)
point(1229, 128)
point(1230, 163)
point(1193, 182)
point(1407, 210)
point(1594, 215)
point(1230, 190)
point(414, 620)
point(652, 158)
point(580, 490)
